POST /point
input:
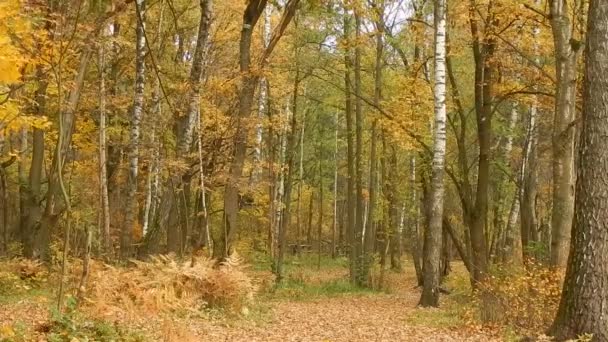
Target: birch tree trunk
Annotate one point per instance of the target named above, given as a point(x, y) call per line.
point(131, 206)
point(433, 234)
point(528, 185)
point(262, 104)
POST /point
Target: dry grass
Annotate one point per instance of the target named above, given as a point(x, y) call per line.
point(166, 284)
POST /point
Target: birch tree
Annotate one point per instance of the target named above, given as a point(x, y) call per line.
point(433, 234)
point(131, 206)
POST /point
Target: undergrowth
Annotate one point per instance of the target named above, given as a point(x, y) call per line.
point(73, 326)
point(167, 284)
point(21, 278)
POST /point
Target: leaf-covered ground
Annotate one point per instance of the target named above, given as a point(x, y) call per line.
point(312, 306)
point(349, 317)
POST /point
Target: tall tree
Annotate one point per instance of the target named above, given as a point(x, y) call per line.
point(433, 233)
point(566, 56)
point(249, 82)
point(131, 207)
point(351, 208)
point(362, 254)
point(583, 308)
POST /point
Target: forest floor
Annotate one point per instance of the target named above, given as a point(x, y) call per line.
point(311, 305)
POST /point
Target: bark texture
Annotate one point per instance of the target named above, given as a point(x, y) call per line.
point(566, 55)
point(433, 233)
point(583, 308)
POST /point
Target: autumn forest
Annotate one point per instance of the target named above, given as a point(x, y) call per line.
point(303, 170)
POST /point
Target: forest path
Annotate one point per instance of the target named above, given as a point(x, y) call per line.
point(349, 317)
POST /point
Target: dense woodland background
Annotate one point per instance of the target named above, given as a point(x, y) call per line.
point(391, 133)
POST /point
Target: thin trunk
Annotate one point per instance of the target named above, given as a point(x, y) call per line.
point(86, 259)
point(414, 235)
point(290, 156)
point(351, 209)
point(433, 233)
point(335, 223)
point(204, 236)
point(262, 105)
point(310, 209)
point(528, 185)
point(154, 170)
point(131, 206)
point(512, 250)
point(300, 182)
point(23, 181)
point(499, 198)
point(104, 204)
point(363, 259)
point(320, 207)
point(395, 223)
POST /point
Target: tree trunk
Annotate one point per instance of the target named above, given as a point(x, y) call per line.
point(502, 207)
point(262, 106)
point(249, 82)
point(433, 233)
point(566, 55)
point(31, 211)
point(528, 185)
point(363, 259)
point(309, 227)
point(178, 234)
point(335, 222)
point(300, 182)
point(483, 51)
point(131, 206)
point(290, 157)
point(104, 204)
point(414, 234)
point(351, 209)
point(320, 208)
point(583, 308)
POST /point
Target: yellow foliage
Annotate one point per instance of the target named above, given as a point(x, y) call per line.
point(526, 301)
point(12, 24)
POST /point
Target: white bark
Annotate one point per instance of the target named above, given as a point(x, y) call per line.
point(262, 103)
point(136, 116)
point(433, 236)
point(202, 182)
point(153, 173)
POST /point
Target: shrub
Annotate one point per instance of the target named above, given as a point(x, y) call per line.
point(525, 300)
point(164, 283)
point(19, 276)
